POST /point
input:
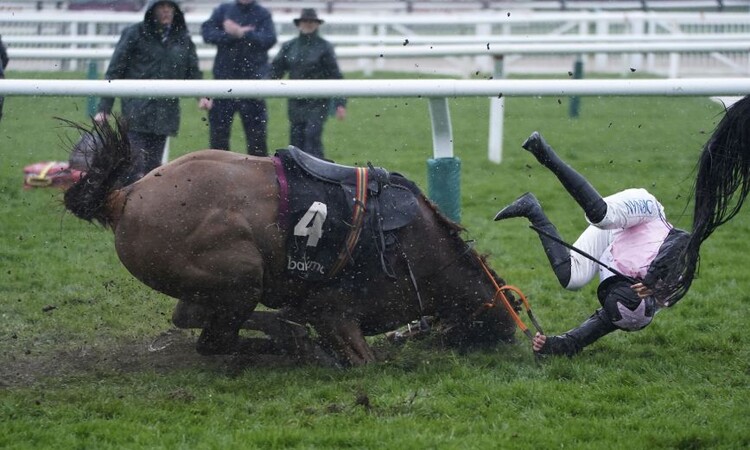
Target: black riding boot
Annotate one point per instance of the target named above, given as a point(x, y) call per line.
point(577, 186)
point(558, 255)
point(576, 339)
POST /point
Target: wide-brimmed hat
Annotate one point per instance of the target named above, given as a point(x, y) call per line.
point(308, 14)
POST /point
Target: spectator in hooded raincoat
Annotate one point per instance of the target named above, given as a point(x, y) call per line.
point(159, 48)
point(3, 65)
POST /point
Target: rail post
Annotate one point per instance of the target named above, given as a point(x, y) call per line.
point(575, 101)
point(91, 74)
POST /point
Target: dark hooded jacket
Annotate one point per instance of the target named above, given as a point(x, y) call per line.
point(3, 58)
point(308, 57)
point(245, 58)
point(3, 64)
point(147, 52)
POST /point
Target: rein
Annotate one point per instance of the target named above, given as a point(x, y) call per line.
point(500, 293)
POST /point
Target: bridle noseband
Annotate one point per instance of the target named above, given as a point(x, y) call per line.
point(500, 294)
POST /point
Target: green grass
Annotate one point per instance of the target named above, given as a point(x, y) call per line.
point(73, 381)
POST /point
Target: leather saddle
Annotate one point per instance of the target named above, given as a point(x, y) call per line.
point(396, 204)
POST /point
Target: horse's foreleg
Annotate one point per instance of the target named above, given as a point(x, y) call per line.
point(226, 315)
point(345, 338)
point(191, 315)
point(221, 335)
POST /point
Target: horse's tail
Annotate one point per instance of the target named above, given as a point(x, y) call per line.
point(109, 169)
point(721, 186)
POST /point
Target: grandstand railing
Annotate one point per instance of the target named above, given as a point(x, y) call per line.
point(417, 6)
point(85, 30)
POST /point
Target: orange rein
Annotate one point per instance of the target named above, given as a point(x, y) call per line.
point(500, 293)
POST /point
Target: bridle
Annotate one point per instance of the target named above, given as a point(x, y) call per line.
point(500, 294)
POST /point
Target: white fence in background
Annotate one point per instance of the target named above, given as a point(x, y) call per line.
point(418, 6)
point(376, 88)
point(495, 50)
point(436, 91)
point(63, 30)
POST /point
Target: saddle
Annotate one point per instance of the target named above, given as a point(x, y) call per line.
point(339, 212)
point(397, 203)
point(331, 172)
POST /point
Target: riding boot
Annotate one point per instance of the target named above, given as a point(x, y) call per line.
point(576, 339)
point(558, 255)
point(577, 186)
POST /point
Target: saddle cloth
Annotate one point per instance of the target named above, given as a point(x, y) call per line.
point(336, 216)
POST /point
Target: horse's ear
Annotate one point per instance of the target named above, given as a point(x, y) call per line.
point(80, 150)
point(83, 151)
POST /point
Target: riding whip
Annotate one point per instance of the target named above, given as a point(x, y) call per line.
point(584, 254)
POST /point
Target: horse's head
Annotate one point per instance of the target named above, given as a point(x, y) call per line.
point(464, 288)
point(484, 321)
point(103, 153)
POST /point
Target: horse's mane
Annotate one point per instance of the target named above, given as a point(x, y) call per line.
point(721, 186)
point(400, 180)
point(108, 171)
point(455, 229)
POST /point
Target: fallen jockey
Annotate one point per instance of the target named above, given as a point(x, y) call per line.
point(653, 263)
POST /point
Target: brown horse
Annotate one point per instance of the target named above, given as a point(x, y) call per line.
point(205, 230)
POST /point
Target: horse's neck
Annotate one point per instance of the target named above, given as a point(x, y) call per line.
point(447, 270)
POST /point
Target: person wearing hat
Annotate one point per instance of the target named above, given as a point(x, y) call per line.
point(158, 48)
point(243, 32)
point(308, 57)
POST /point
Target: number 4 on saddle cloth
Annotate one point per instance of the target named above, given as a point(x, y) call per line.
point(339, 218)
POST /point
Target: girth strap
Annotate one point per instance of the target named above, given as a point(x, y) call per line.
point(358, 218)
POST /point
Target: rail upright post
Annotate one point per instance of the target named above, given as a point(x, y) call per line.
point(575, 101)
point(91, 101)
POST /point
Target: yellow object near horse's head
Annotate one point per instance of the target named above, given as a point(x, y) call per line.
point(41, 179)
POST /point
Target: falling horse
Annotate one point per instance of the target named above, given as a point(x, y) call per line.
point(218, 231)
